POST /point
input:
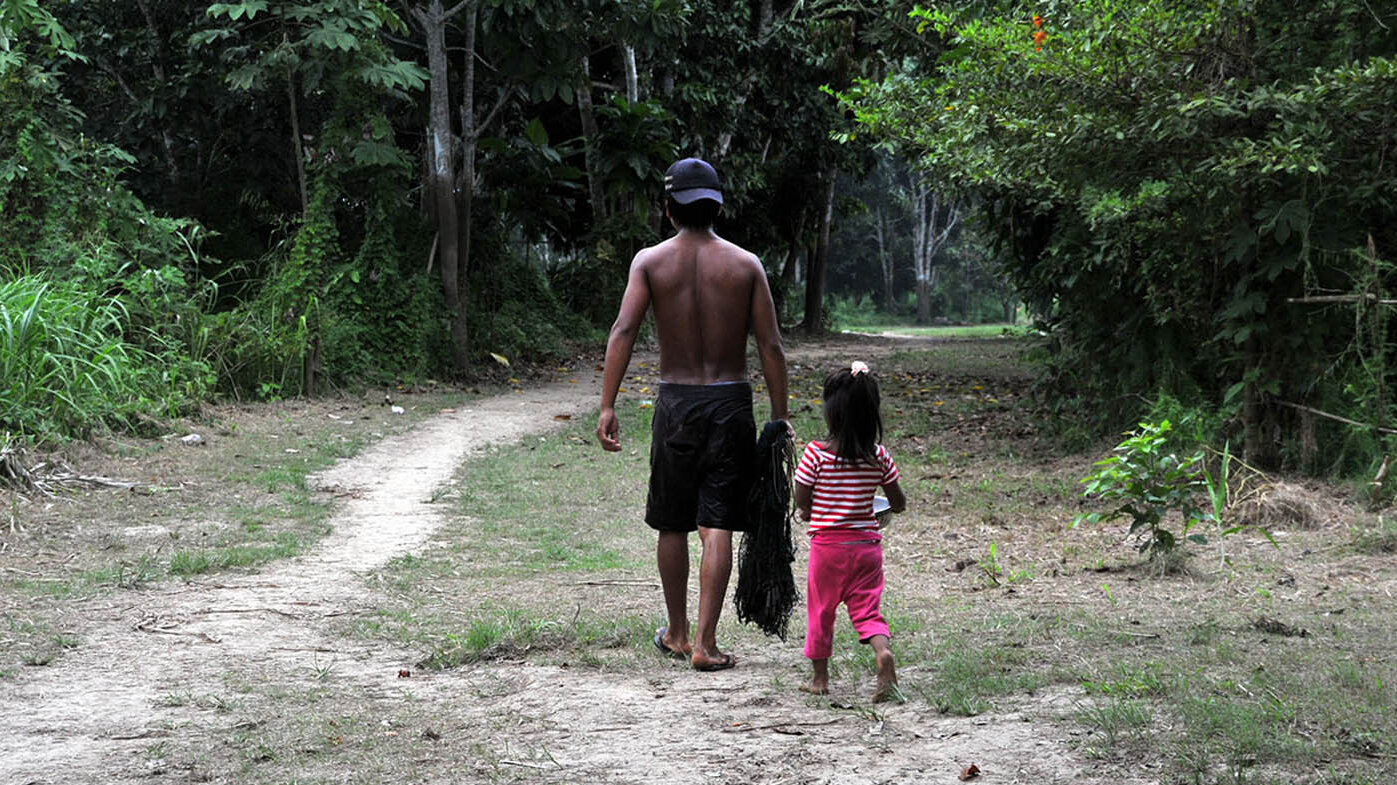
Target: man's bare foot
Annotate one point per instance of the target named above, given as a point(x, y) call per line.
point(669, 645)
point(711, 661)
point(887, 679)
point(815, 687)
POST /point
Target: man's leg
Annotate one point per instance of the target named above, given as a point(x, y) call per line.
point(715, 567)
point(672, 555)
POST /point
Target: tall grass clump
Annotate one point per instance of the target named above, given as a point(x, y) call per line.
point(65, 365)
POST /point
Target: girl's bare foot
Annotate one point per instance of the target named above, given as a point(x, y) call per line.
point(887, 678)
point(819, 677)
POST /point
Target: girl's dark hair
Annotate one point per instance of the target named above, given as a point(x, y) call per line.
point(697, 215)
point(851, 413)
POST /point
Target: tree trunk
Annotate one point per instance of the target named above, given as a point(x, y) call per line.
point(787, 281)
point(927, 238)
point(470, 135)
point(923, 301)
point(590, 137)
point(632, 78)
point(296, 151)
point(819, 262)
point(158, 68)
point(1251, 407)
point(885, 261)
point(924, 228)
point(440, 185)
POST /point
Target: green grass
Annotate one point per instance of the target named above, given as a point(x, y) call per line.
point(511, 633)
point(283, 545)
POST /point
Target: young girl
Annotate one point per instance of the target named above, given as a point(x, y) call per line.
point(835, 482)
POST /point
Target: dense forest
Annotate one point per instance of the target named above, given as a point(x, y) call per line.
point(1192, 200)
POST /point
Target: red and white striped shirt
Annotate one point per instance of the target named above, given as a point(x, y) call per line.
point(842, 496)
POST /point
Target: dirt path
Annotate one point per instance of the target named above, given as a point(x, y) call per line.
point(102, 702)
point(146, 660)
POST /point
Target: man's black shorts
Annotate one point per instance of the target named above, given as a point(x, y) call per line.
point(702, 457)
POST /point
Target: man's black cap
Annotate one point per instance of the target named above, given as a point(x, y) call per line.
point(692, 179)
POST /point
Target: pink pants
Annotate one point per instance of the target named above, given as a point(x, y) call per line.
point(840, 572)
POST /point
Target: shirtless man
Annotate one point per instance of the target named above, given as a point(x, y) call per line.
point(708, 295)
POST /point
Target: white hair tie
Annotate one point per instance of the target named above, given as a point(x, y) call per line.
point(857, 367)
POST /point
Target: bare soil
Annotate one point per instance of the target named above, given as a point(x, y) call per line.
point(145, 695)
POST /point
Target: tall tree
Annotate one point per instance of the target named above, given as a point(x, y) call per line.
point(933, 220)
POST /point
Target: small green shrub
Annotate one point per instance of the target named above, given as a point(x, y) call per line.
point(1147, 483)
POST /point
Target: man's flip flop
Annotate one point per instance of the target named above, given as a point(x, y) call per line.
point(659, 641)
point(728, 661)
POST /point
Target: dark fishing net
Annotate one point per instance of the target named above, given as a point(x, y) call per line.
point(766, 591)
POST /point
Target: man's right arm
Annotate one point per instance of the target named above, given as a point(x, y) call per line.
point(767, 331)
point(619, 345)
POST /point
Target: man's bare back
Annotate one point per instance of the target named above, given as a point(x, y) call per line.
point(708, 294)
point(701, 290)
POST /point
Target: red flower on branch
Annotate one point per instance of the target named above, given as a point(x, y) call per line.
point(1038, 37)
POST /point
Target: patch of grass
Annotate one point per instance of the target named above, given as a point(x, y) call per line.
point(240, 555)
point(1126, 680)
point(39, 658)
point(511, 633)
point(965, 674)
point(1112, 718)
point(1378, 538)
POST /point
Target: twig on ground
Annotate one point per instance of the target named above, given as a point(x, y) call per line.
point(145, 734)
point(524, 764)
point(253, 610)
point(776, 725)
point(647, 584)
point(203, 636)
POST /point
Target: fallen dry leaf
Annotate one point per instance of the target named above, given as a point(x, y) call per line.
point(403, 674)
point(969, 772)
point(562, 417)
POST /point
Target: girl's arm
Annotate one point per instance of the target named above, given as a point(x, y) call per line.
point(897, 500)
point(805, 496)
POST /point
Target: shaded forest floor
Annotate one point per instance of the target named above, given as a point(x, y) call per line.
point(330, 592)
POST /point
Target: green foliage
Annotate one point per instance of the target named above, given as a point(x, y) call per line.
point(21, 20)
point(330, 39)
point(515, 311)
point(1147, 483)
point(65, 365)
point(107, 326)
point(1166, 175)
point(367, 317)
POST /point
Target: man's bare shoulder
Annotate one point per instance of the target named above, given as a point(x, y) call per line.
point(738, 255)
point(654, 254)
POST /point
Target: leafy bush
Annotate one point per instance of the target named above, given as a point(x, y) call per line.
point(1146, 483)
